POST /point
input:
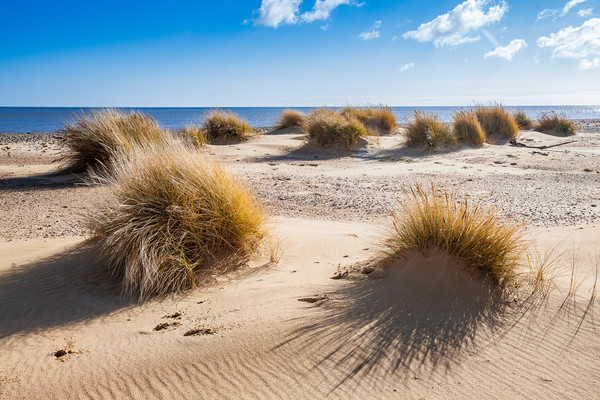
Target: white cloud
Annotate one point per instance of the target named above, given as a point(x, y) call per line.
point(507, 52)
point(560, 13)
point(581, 43)
point(277, 12)
point(324, 27)
point(373, 33)
point(585, 13)
point(274, 13)
point(406, 67)
point(454, 27)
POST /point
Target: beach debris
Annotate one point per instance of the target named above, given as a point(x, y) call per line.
point(314, 299)
point(340, 275)
point(201, 331)
point(176, 315)
point(514, 142)
point(165, 325)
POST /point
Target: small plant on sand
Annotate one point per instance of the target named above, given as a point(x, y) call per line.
point(425, 129)
point(467, 129)
point(497, 123)
point(92, 139)
point(226, 127)
point(195, 135)
point(431, 219)
point(522, 119)
point(329, 127)
point(171, 217)
point(374, 118)
point(289, 118)
point(551, 122)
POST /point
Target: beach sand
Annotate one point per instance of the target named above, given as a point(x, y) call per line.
point(286, 329)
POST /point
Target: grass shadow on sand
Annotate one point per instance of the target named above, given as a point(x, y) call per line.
point(65, 288)
point(415, 319)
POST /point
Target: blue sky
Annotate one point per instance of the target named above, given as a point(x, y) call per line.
point(299, 53)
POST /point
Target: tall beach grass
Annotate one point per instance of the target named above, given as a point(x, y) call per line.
point(226, 127)
point(289, 118)
point(497, 123)
point(376, 118)
point(425, 129)
point(467, 129)
point(552, 122)
point(328, 127)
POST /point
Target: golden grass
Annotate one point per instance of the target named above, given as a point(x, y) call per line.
point(329, 127)
point(467, 129)
point(195, 135)
point(522, 119)
point(433, 219)
point(289, 118)
point(92, 139)
point(551, 122)
point(226, 127)
point(497, 123)
point(374, 118)
point(424, 129)
point(170, 215)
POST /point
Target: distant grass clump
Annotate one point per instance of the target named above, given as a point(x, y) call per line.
point(433, 219)
point(169, 216)
point(497, 123)
point(226, 127)
point(289, 118)
point(522, 119)
point(426, 130)
point(328, 127)
point(467, 129)
point(551, 122)
point(92, 139)
point(195, 135)
point(375, 118)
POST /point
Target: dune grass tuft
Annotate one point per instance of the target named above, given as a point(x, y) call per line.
point(467, 129)
point(169, 216)
point(424, 129)
point(551, 122)
point(522, 119)
point(195, 135)
point(433, 219)
point(92, 139)
point(374, 117)
point(328, 127)
point(290, 118)
point(497, 123)
point(226, 127)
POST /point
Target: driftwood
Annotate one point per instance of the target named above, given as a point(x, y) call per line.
point(513, 142)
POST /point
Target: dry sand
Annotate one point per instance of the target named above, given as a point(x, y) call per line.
point(424, 330)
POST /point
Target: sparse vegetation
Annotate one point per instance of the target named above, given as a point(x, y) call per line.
point(329, 127)
point(522, 119)
point(436, 219)
point(289, 118)
point(195, 135)
point(226, 127)
point(425, 129)
point(373, 118)
point(92, 139)
point(170, 216)
point(497, 123)
point(467, 129)
point(551, 122)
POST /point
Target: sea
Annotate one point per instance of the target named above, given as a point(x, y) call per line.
point(50, 119)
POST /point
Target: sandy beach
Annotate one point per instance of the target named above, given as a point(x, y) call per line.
point(286, 329)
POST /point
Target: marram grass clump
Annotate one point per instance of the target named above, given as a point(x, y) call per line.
point(378, 118)
point(195, 135)
point(467, 129)
point(328, 127)
point(424, 129)
point(430, 219)
point(522, 119)
point(92, 139)
point(170, 215)
point(551, 122)
point(497, 123)
point(226, 127)
point(290, 118)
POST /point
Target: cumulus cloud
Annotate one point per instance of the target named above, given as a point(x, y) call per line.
point(581, 43)
point(548, 12)
point(406, 67)
point(454, 27)
point(274, 13)
point(507, 52)
point(373, 33)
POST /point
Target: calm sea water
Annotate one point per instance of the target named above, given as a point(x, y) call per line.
point(49, 119)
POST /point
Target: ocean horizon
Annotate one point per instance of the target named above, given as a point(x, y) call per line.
point(50, 119)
